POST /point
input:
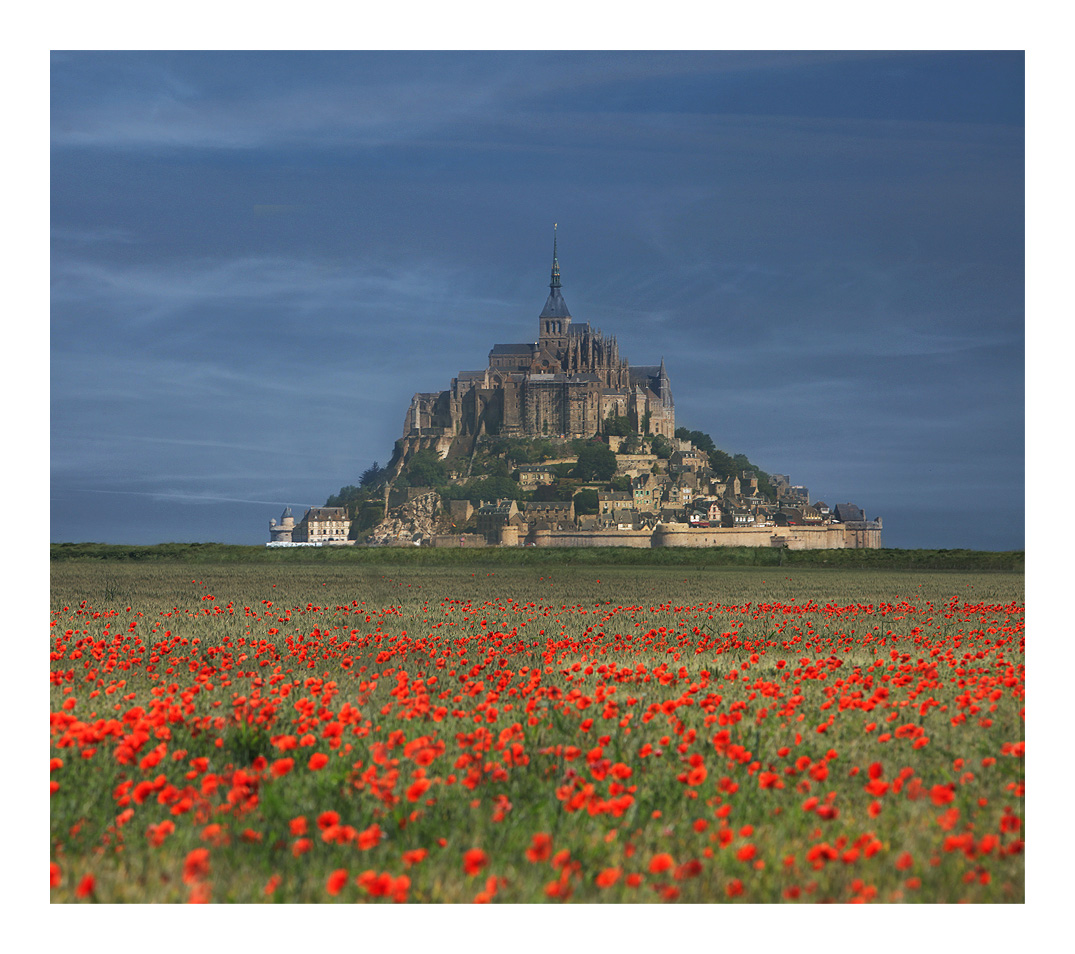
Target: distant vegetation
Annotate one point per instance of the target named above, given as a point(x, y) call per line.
point(882, 559)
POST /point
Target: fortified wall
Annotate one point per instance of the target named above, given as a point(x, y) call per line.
point(831, 537)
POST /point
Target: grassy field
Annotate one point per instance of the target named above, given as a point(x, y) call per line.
point(339, 730)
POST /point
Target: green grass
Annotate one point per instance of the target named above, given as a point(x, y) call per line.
point(880, 559)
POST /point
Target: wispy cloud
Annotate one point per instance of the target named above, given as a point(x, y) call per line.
point(184, 497)
point(92, 236)
point(371, 99)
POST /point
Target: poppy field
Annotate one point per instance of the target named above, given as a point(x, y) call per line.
point(231, 733)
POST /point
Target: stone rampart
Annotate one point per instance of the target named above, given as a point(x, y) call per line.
point(594, 538)
point(459, 540)
point(830, 537)
point(833, 537)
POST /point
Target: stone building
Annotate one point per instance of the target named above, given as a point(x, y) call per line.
point(322, 525)
point(565, 384)
point(281, 532)
point(549, 514)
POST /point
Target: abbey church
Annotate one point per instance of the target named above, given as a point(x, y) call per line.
point(563, 385)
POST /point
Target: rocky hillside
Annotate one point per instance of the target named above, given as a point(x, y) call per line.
point(411, 523)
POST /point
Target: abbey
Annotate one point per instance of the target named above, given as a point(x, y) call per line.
point(566, 384)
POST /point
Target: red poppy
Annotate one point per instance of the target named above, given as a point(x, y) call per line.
point(196, 865)
point(369, 838)
point(540, 847)
point(336, 881)
point(660, 862)
point(474, 860)
point(608, 877)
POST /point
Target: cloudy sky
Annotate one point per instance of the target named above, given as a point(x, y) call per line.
point(258, 257)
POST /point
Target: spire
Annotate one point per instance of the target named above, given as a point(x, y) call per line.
point(555, 283)
point(555, 306)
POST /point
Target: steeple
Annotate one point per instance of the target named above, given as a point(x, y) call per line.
point(555, 306)
point(555, 283)
point(664, 386)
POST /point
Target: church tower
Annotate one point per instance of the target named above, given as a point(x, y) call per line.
point(555, 320)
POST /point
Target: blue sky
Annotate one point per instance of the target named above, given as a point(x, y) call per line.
point(258, 257)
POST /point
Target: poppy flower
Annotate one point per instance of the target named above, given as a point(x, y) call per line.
point(369, 838)
point(608, 877)
point(336, 881)
point(660, 862)
point(196, 865)
point(540, 847)
point(474, 860)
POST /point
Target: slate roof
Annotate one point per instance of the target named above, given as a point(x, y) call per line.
point(524, 348)
point(848, 512)
point(326, 513)
point(555, 306)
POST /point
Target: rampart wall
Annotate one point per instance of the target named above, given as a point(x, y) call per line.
point(594, 538)
point(832, 537)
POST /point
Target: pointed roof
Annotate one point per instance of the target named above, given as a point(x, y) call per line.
point(555, 306)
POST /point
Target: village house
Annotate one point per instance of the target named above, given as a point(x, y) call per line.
point(535, 475)
point(549, 514)
point(649, 491)
point(611, 500)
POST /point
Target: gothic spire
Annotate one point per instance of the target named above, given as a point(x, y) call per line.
point(555, 283)
point(555, 306)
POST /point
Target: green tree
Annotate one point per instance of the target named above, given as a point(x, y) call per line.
point(585, 501)
point(662, 446)
point(425, 469)
point(596, 462)
point(618, 426)
point(373, 476)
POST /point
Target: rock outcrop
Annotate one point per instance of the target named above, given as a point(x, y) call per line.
point(410, 524)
